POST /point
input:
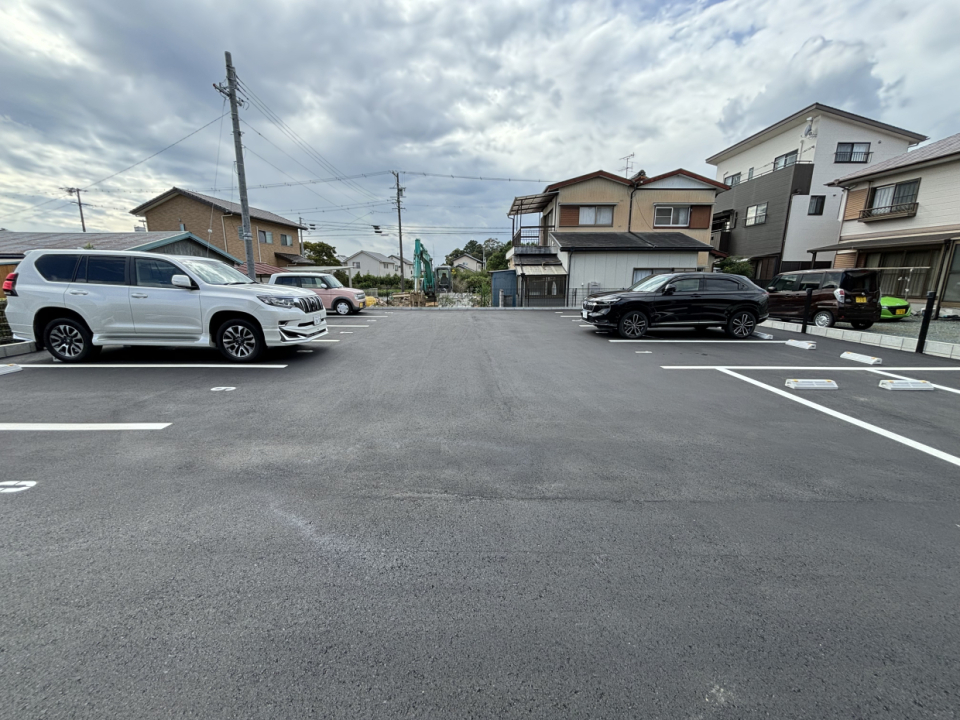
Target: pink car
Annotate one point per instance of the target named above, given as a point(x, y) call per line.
point(336, 298)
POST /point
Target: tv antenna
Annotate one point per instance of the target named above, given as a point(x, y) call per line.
point(627, 164)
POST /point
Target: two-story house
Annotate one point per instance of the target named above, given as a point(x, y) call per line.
point(276, 240)
point(368, 262)
point(780, 204)
point(902, 216)
point(603, 231)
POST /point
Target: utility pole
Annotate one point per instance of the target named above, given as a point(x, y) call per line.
point(231, 92)
point(76, 191)
point(400, 190)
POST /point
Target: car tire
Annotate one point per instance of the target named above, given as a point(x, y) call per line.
point(342, 307)
point(824, 319)
point(741, 325)
point(240, 340)
point(862, 324)
point(633, 325)
point(69, 341)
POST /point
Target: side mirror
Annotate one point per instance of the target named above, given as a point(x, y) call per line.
point(182, 281)
point(771, 289)
point(669, 289)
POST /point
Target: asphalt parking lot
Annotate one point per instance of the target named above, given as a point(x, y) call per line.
point(481, 514)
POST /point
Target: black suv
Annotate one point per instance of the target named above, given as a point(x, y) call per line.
point(698, 300)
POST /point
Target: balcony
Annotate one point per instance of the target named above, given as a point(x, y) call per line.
point(901, 210)
point(529, 235)
point(848, 156)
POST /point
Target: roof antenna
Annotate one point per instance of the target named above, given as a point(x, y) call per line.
point(628, 164)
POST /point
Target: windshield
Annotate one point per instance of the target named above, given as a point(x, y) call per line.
point(650, 284)
point(331, 281)
point(216, 273)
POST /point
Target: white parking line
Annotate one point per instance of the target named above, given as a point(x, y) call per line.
point(847, 418)
point(58, 427)
point(587, 326)
point(726, 342)
point(338, 325)
point(805, 367)
point(324, 340)
point(236, 366)
point(346, 332)
point(571, 316)
point(901, 377)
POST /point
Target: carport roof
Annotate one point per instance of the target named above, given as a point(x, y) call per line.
point(628, 241)
point(887, 242)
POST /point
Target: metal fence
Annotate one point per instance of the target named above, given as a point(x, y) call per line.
point(5, 334)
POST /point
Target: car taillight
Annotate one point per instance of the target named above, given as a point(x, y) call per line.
point(839, 295)
point(10, 285)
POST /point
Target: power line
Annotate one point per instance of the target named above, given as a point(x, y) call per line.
point(119, 172)
point(311, 151)
point(471, 177)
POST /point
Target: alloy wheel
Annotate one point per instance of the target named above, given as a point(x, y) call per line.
point(743, 325)
point(239, 341)
point(66, 340)
point(634, 325)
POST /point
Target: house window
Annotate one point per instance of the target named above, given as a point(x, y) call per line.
point(852, 153)
point(785, 160)
point(816, 204)
point(356, 265)
point(732, 180)
point(265, 236)
point(671, 216)
point(756, 215)
point(286, 240)
point(596, 215)
point(750, 174)
point(898, 198)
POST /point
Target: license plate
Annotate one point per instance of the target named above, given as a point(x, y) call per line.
point(901, 311)
point(317, 320)
point(860, 300)
point(583, 314)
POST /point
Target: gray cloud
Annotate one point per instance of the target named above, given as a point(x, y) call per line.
point(513, 88)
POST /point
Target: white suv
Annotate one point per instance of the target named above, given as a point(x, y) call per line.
point(72, 302)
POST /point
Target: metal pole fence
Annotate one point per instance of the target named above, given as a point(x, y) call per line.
point(925, 323)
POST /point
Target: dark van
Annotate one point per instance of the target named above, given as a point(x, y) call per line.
point(851, 296)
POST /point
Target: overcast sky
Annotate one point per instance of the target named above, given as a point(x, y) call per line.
point(523, 89)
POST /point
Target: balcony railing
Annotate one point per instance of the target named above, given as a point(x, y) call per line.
point(528, 236)
point(848, 156)
point(889, 212)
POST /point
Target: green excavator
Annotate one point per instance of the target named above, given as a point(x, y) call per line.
point(423, 278)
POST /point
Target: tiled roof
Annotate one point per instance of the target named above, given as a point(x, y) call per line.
point(17, 243)
point(225, 205)
point(261, 269)
point(628, 241)
point(934, 151)
point(294, 259)
point(375, 255)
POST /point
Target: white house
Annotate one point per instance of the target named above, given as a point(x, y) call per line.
point(780, 204)
point(468, 262)
point(902, 216)
point(407, 265)
point(368, 262)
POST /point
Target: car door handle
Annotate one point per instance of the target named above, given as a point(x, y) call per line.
point(78, 292)
point(137, 295)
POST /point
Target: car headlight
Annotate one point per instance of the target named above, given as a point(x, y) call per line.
point(360, 296)
point(609, 300)
point(284, 302)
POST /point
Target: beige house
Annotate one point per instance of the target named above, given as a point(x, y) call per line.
point(902, 216)
point(468, 262)
point(275, 239)
point(601, 231)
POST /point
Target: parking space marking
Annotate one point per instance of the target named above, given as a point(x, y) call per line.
point(587, 326)
point(805, 367)
point(901, 377)
point(59, 427)
point(847, 418)
point(354, 326)
point(346, 332)
point(324, 340)
point(12, 486)
point(725, 342)
point(571, 316)
point(237, 366)
point(644, 352)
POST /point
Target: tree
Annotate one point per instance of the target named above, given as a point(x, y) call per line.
point(736, 266)
point(497, 260)
point(320, 253)
point(342, 276)
point(448, 260)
